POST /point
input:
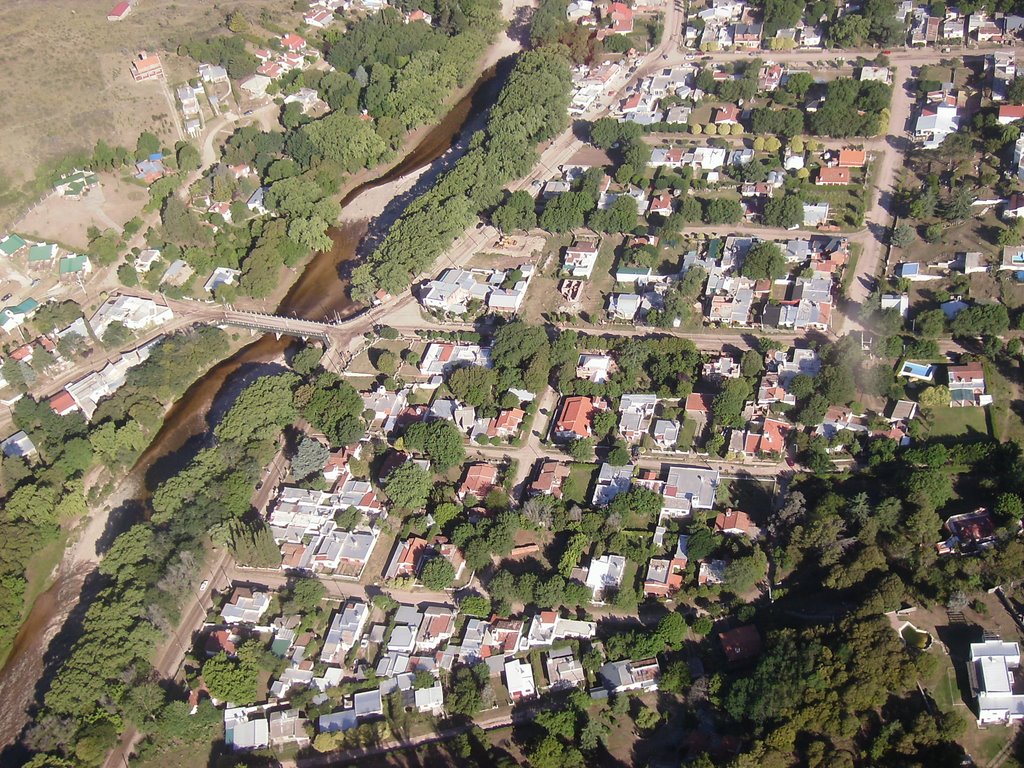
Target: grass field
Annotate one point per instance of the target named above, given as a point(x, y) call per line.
point(66, 81)
point(956, 422)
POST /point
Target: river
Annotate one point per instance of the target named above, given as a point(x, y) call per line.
point(320, 292)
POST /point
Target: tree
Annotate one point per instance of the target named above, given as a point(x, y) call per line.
point(440, 440)
point(727, 407)
point(981, 320)
point(438, 574)
point(959, 206)
point(581, 449)
point(786, 211)
point(902, 236)
point(386, 362)
point(931, 323)
point(518, 212)
point(335, 408)
point(117, 335)
point(304, 595)
point(408, 486)
point(188, 157)
point(722, 210)
point(764, 260)
point(473, 384)
point(751, 364)
point(231, 680)
point(934, 397)
point(310, 456)
point(743, 572)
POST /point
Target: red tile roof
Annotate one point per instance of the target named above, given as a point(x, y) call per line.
point(478, 480)
point(833, 176)
point(63, 402)
point(575, 416)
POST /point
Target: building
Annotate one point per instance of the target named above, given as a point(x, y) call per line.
point(477, 481)
point(575, 419)
point(548, 627)
point(605, 573)
point(832, 177)
point(564, 669)
point(684, 489)
point(519, 680)
point(246, 728)
point(995, 677)
point(611, 481)
point(622, 676)
point(621, 17)
point(935, 123)
point(967, 385)
point(441, 357)
point(852, 158)
point(595, 368)
point(665, 575)
point(119, 11)
point(221, 276)
point(580, 258)
point(549, 478)
point(1010, 113)
point(453, 291)
point(346, 628)
point(733, 522)
point(666, 433)
point(636, 412)
point(146, 66)
point(245, 606)
point(18, 445)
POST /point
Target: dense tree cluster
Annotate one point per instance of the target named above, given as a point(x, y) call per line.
point(531, 108)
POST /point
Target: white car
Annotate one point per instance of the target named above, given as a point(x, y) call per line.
point(204, 585)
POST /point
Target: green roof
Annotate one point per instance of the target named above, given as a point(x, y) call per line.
point(71, 264)
point(42, 252)
point(11, 244)
point(633, 271)
point(28, 305)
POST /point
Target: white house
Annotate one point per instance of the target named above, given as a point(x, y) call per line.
point(993, 673)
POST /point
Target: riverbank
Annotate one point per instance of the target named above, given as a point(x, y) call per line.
point(312, 289)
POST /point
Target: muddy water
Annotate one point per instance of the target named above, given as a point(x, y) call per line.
point(320, 292)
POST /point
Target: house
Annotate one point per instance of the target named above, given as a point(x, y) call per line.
point(519, 679)
point(967, 385)
point(734, 523)
point(255, 86)
point(605, 573)
point(318, 17)
point(292, 42)
point(595, 368)
point(453, 291)
point(1013, 258)
point(151, 169)
point(441, 357)
point(815, 214)
point(935, 123)
point(575, 419)
point(564, 669)
point(624, 306)
point(666, 433)
point(15, 316)
point(146, 66)
point(549, 479)
point(18, 445)
point(477, 481)
point(11, 245)
point(852, 158)
point(63, 403)
point(622, 676)
point(711, 572)
point(429, 700)
point(741, 644)
point(969, 532)
point(660, 205)
point(611, 481)
point(636, 412)
point(665, 575)
point(902, 411)
point(435, 628)
point(1014, 208)
point(245, 606)
point(727, 115)
point(1009, 113)
point(288, 727)
point(876, 74)
point(621, 17)
point(832, 177)
point(578, 10)
point(994, 674)
point(41, 255)
point(189, 98)
point(506, 423)
point(684, 489)
point(746, 36)
point(119, 11)
point(548, 627)
point(897, 301)
point(246, 728)
point(580, 258)
point(346, 628)
point(213, 73)
point(221, 276)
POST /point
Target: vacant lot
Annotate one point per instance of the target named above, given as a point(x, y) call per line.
point(957, 422)
point(66, 82)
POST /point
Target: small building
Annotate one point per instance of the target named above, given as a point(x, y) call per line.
point(575, 419)
point(146, 66)
point(245, 606)
point(221, 276)
point(549, 479)
point(605, 573)
point(832, 177)
point(580, 258)
point(622, 676)
point(852, 158)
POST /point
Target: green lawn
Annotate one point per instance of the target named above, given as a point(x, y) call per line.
point(957, 422)
point(579, 479)
point(687, 434)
